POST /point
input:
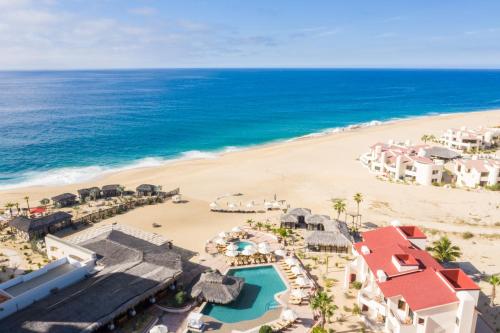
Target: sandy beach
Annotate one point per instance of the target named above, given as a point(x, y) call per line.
point(306, 172)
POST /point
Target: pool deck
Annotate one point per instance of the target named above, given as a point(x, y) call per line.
point(305, 315)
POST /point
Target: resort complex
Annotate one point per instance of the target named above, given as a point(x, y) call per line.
point(404, 289)
point(467, 159)
point(471, 140)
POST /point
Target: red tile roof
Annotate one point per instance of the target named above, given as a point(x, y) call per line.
point(422, 287)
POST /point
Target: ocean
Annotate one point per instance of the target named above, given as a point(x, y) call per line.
point(61, 127)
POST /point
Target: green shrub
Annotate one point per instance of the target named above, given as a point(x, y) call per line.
point(180, 298)
point(318, 329)
point(265, 329)
point(356, 310)
point(356, 285)
point(467, 235)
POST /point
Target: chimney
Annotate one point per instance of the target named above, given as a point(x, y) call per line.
point(365, 250)
point(381, 276)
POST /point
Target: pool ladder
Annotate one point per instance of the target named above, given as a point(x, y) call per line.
point(272, 305)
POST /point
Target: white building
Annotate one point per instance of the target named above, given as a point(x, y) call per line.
point(474, 172)
point(470, 139)
point(404, 290)
point(404, 162)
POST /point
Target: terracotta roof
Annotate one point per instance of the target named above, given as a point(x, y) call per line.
point(426, 286)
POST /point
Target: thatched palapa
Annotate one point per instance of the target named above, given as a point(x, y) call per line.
point(217, 288)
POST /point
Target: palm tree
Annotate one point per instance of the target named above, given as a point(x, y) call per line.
point(425, 138)
point(444, 250)
point(76, 209)
point(358, 197)
point(27, 199)
point(44, 202)
point(432, 138)
point(324, 304)
point(494, 280)
point(268, 226)
point(250, 222)
point(259, 225)
point(9, 206)
point(17, 207)
point(339, 206)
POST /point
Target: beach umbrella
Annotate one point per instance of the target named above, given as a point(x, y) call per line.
point(159, 329)
point(280, 252)
point(250, 205)
point(236, 229)
point(213, 205)
point(302, 281)
point(263, 245)
point(232, 247)
point(264, 250)
point(223, 234)
point(291, 261)
point(231, 205)
point(220, 241)
point(395, 223)
point(250, 246)
point(276, 204)
point(248, 251)
point(288, 315)
point(268, 204)
point(297, 270)
point(298, 293)
point(232, 253)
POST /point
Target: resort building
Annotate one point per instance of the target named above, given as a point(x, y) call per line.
point(64, 200)
point(91, 193)
point(405, 290)
point(113, 190)
point(471, 139)
point(34, 228)
point(97, 276)
point(147, 190)
point(475, 172)
point(422, 164)
point(323, 234)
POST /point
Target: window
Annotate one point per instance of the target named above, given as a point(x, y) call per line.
point(401, 304)
point(484, 174)
point(421, 321)
point(435, 172)
point(457, 321)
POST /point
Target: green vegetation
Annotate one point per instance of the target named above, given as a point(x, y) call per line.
point(356, 285)
point(322, 302)
point(180, 298)
point(444, 251)
point(339, 206)
point(265, 329)
point(495, 187)
point(494, 280)
point(467, 235)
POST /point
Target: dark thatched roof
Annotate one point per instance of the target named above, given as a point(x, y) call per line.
point(134, 269)
point(300, 212)
point(217, 288)
point(442, 153)
point(64, 196)
point(317, 219)
point(112, 187)
point(87, 191)
point(26, 224)
point(146, 188)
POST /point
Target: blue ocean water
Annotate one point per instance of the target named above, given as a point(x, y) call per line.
point(69, 126)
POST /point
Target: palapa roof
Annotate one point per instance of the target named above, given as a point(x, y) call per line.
point(289, 218)
point(217, 288)
point(112, 187)
point(146, 188)
point(441, 152)
point(26, 224)
point(317, 219)
point(336, 233)
point(64, 196)
point(87, 191)
point(134, 269)
point(300, 212)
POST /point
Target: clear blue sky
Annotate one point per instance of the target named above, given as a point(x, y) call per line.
point(58, 34)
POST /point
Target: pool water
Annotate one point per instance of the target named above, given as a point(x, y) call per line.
point(242, 244)
point(257, 297)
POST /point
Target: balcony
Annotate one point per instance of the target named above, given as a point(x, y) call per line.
point(374, 302)
point(398, 325)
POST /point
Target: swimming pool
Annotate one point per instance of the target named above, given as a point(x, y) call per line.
point(242, 244)
point(257, 297)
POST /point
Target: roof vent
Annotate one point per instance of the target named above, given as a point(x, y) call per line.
point(381, 276)
point(365, 250)
point(395, 223)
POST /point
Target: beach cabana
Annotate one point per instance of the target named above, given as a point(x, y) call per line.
point(217, 288)
point(289, 221)
point(441, 153)
point(328, 241)
point(64, 200)
point(295, 218)
point(317, 221)
point(147, 190)
point(113, 190)
point(91, 193)
point(36, 228)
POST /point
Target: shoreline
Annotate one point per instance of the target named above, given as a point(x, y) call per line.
point(53, 176)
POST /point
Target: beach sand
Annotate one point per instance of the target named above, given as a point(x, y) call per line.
point(307, 172)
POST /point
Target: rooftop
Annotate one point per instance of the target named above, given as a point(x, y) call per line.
point(26, 224)
point(422, 287)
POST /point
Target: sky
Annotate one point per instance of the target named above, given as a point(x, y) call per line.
point(94, 34)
